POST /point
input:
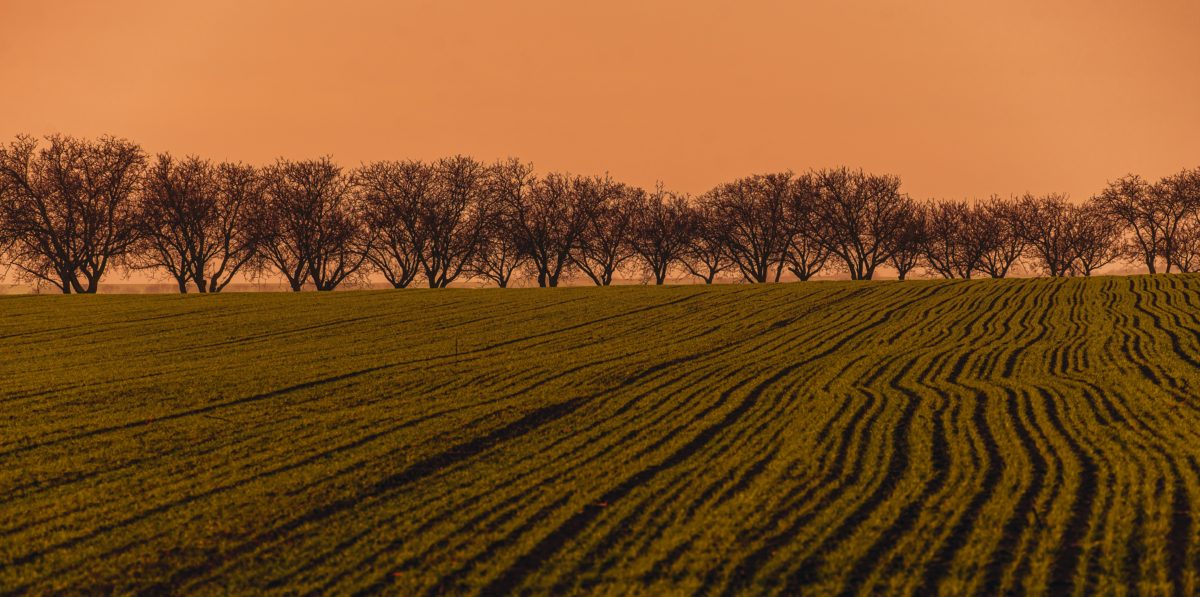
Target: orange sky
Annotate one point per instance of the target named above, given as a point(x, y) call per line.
point(961, 98)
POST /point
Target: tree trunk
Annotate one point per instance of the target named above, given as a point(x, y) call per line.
point(200, 281)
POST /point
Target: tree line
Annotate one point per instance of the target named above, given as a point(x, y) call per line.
point(72, 210)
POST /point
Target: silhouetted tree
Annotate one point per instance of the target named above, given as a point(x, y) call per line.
point(1047, 224)
point(500, 253)
point(804, 253)
point(756, 231)
point(606, 241)
point(861, 216)
point(1097, 238)
point(310, 227)
point(1177, 198)
point(173, 203)
point(909, 248)
point(1187, 246)
point(999, 235)
point(662, 228)
point(548, 216)
point(1130, 200)
point(6, 243)
point(194, 220)
point(69, 208)
point(953, 243)
point(74, 209)
point(228, 242)
point(704, 256)
point(390, 193)
point(452, 218)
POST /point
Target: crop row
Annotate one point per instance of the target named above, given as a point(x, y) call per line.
point(962, 436)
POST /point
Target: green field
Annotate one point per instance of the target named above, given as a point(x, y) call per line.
point(1036, 435)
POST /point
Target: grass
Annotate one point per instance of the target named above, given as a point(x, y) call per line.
point(986, 436)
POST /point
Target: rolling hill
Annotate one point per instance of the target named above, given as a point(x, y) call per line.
point(986, 436)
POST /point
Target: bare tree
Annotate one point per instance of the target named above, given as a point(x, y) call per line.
point(1097, 238)
point(194, 221)
point(999, 236)
point(310, 227)
point(1155, 215)
point(451, 219)
point(500, 253)
point(751, 210)
point(390, 193)
point(704, 256)
point(281, 223)
point(804, 253)
point(661, 231)
point(548, 216)
point(173, 204)
point(6, 240)
point(69, 208)
point(1129, 199)
point(943, 223)
point(227, 243)
point(909, 248)
point(953, 246)
point(1187, 246)
point(1047, 224)
point(861, 217)
point(606, 241)
point(74, 209)
point(1177, 199)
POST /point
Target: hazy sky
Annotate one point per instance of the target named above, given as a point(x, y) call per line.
point(961, 98)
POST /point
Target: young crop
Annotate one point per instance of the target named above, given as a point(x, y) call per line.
point(987, 436)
